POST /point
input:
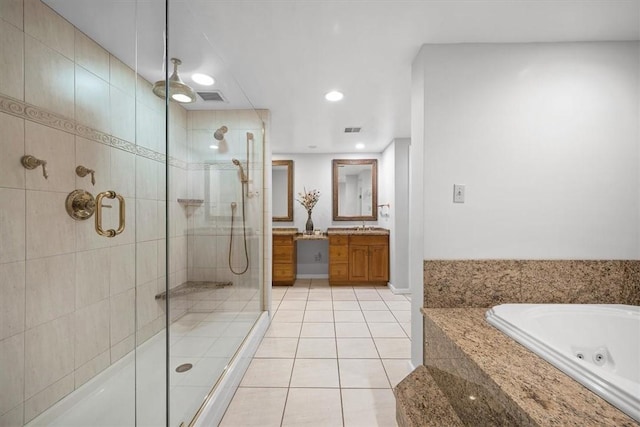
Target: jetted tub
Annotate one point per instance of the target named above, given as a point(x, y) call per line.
point(596, 345)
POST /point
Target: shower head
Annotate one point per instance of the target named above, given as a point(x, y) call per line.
point(219, 133)
point(243, 177)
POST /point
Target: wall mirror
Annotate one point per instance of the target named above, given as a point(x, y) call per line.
point(355, 190)
point(282, 190)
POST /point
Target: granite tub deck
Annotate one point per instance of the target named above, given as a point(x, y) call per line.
point(489, 379)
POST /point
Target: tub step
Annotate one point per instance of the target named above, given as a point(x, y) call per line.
point(421, 403)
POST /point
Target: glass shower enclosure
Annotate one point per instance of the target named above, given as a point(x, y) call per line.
point(131, 225)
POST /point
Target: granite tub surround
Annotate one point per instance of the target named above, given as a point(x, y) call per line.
point(492, 380)
point(420, 402)
point(485, 283)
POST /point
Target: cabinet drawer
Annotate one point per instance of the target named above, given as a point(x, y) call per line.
point(283, 240)
point(368, 240)
point(338, 253)
point(283, 254)
point(338, 240)
point(339, 271)
point(282, 272)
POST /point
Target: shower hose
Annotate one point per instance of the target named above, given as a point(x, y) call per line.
point(244, 235)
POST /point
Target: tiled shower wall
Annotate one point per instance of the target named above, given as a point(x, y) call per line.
point(68, 296)
point(213, 177)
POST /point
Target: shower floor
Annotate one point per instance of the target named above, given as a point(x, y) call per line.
point(206, 339)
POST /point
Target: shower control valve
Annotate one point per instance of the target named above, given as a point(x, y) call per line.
point(81, 171)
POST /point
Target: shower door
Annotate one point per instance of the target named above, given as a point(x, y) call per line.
point(82, 221)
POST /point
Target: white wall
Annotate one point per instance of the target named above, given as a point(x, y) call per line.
point(545, 138)
point(394, 188)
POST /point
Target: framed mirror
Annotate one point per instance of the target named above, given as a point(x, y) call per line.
point(282, 190)
point(355, 190)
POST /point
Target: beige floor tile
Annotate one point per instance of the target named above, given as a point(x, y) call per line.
point(317, 330)
point(368, 296)
point(319, 305)
point(348, 316)
point(387, 330)
point(362, 373)
point(352, 330)
point(289, 304)
point(301, 283)
point(317, 348)
point(313, 407)
point(277, 347)
point(268, 373)
point(243, 410)
point(284, 330)
point(369, 408)
point(399, 305)
point(346, 305)
point(397, 369)
point(288, 316)
point(322, 295)
point(402, 316)
point(378, 316)
point(373, 305)
point(406, 326)
point(318, 373)
point(318, 316)
point(356, 348)
point(393, 348)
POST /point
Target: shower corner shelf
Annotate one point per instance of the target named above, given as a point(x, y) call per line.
point(191, 202)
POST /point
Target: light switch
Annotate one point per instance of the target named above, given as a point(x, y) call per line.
point(458, 193)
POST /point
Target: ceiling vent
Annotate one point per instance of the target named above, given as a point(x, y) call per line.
point(352, 130)
point(212, 96)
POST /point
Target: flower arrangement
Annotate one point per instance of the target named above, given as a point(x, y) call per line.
point(308, 199)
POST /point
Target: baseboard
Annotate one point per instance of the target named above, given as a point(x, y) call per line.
point(396, 291)
point(219, 399)
point(312, 276)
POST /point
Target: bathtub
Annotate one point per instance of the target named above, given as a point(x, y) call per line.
point(596, 345)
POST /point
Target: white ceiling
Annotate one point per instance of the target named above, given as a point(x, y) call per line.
point(284, 55)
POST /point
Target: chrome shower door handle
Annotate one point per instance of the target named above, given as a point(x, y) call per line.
point(110, 194)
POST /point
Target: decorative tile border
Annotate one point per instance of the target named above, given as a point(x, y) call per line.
point(485, 283)
point(38, 115)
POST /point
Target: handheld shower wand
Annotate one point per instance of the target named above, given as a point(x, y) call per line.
point(243, 177)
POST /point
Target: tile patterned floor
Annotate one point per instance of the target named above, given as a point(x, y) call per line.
point(330, 358)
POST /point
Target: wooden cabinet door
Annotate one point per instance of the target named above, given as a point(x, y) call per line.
point(358, 263)
point(379, 263)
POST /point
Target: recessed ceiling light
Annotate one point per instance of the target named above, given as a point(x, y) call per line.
point(202, 79)
point(213, 146)
point(334, 95)
point(180, 97)
point(360, 146)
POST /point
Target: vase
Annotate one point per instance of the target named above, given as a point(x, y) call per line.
point(308, 229)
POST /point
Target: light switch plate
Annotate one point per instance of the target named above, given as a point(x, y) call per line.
point(458, 193)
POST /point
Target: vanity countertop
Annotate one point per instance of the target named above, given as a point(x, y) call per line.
point(540, 393)
point(378, 231)
point(285, 231)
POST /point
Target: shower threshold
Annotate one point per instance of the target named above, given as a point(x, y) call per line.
point(191, 287)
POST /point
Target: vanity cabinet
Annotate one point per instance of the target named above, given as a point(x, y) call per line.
point(338, 259)
point(284, 260)
point(358, 259)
